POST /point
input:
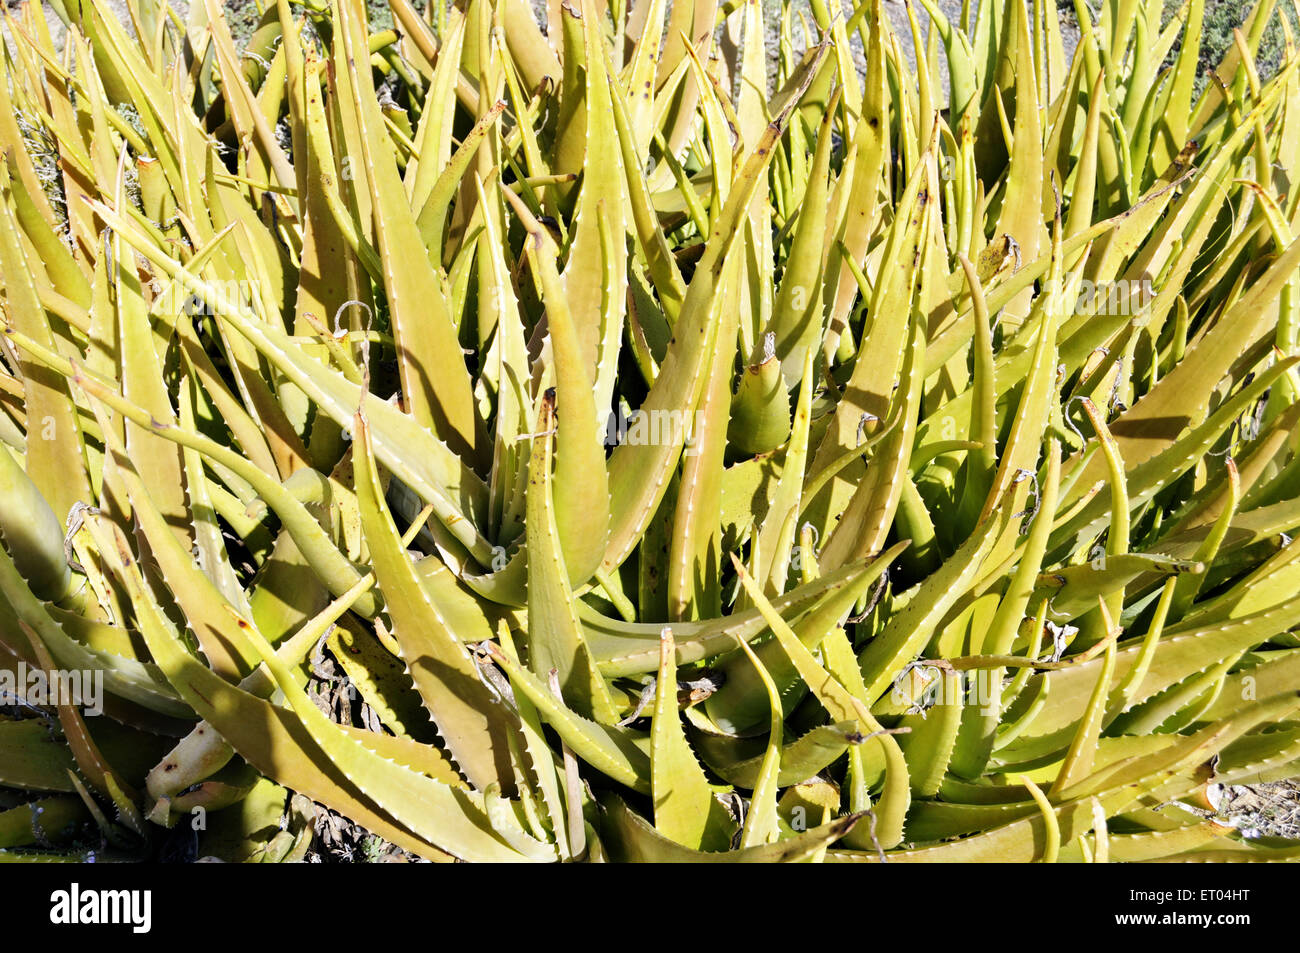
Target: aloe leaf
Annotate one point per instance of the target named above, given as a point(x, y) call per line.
point(213, 613)
point(776, 536)
point(843, 705)
point(638, 473)
point(91, 763)
point(555, 636)
point(929, 745)
point(870, 390)
point(139, 682)
point(686, 810)
point(434, 377)
point(438, 476)
point(631, 648)
point(339, 572)
point(470, 720)
point(42, 821)
point(445, 815)
point(433, 214)
point(1022, 209)
point(653, 245)
point(1185, 651)
point(761, 821)
point(1144, 480)
point(580, 488)
point(694, 555)
point(1073, 590)
point(618, 753)
point(32, 533)
point(34, 759)
point(738, 760)
point(739, 705)
point(797, 313)
point(632, 840)
point(56, 460)
point(541, 757)
point(907, 634)
point(596, 301)
point(856, 193)
point(760, 417)
point(1154, 421)
point(864, 525)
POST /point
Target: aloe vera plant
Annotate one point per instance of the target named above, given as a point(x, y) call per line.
point(684, 453)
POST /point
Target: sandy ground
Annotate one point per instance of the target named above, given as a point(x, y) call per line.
point(1261, 810)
